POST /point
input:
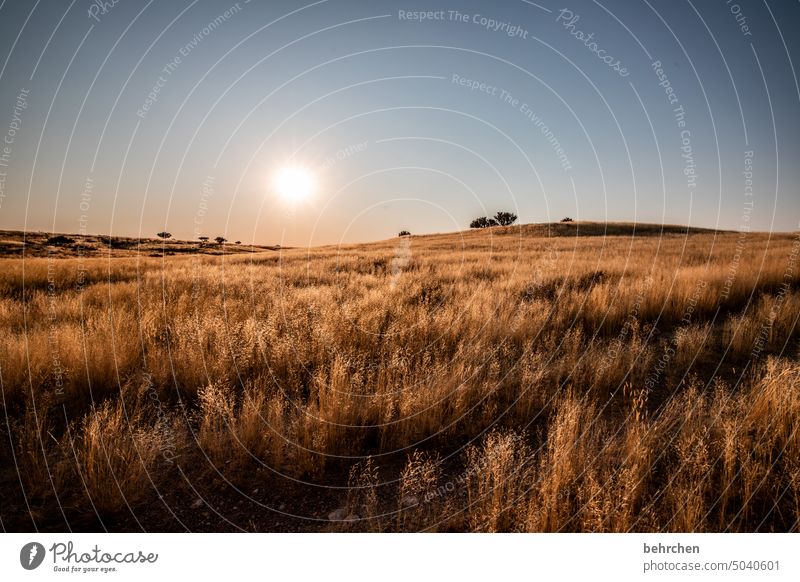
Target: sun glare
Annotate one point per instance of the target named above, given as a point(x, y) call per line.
point(294, 183)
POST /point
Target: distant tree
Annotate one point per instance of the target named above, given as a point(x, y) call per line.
point(220, 239)
point(505, 218)
point(404, 233)
point(481, 222)
point(566, 219)
point(203, 239)
point(238, 242)
point(164, 234)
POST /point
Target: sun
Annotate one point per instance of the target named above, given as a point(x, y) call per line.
point(294, 183)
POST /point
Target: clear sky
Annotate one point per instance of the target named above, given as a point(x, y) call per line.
point(132, 117)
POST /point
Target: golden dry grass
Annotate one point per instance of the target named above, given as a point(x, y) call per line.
point(502, 380)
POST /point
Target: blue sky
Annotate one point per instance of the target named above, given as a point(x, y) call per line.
point(404, 124)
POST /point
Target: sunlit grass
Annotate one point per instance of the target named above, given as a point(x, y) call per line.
point(535, 364)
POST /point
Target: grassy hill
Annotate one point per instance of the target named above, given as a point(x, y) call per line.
point(14, 243)
point(588, 228)
point(62, 245)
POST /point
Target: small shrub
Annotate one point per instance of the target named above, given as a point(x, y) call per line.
point(417, 487)
point(59, 240)
point(497, 478)
point(362, 498)
point(116, 456)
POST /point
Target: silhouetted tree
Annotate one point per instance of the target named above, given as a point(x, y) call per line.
point(220, 239)
point(499, 219)
point(566, 219)
point(505, 218)
point(404, 233)
point(203, 239)
point(238, 242)
point(164, 234)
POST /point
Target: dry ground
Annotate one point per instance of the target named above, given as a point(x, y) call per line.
point(576, 377)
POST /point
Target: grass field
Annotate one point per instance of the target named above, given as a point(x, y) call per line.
point(570, 377)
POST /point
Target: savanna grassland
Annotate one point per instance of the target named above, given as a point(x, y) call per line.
point(576, 377)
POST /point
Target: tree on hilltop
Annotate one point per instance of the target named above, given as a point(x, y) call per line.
point(481, 222)
point(505, 218)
